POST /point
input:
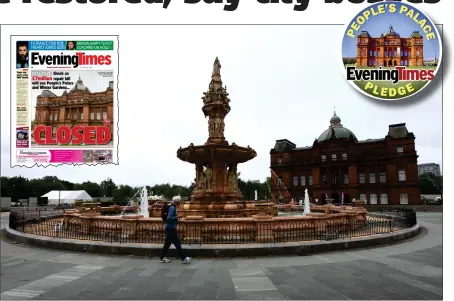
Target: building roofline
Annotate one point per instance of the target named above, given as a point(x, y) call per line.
point(286, 140)
point(397, 125)
point(371, 140)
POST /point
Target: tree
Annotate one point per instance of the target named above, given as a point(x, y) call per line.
point(5, 187)
point(17, 187)
point(248, 189)
point(92, 188)
point(20, 187)
point(109, 187)
point(124, 193)
point(349, 60)
point(431, 184)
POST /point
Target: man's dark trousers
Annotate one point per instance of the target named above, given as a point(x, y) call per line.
point(172, 238)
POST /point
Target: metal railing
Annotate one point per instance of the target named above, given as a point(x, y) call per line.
point(55, 225)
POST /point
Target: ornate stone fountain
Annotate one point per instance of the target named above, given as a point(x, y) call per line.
point(216, 193)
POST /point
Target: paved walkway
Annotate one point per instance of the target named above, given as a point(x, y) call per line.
point(409, 270)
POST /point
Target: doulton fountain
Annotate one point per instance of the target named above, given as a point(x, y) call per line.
point(216, 192)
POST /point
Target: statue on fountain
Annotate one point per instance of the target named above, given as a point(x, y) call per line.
point(207, 177)
point(232, 177)
point(218, 126)
point(201, 181)
point(211, 127)
point(216, 68)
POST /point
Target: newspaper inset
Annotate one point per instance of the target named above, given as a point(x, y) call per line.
point(65, 97)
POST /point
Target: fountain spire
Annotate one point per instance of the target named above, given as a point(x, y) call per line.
point(216, 106)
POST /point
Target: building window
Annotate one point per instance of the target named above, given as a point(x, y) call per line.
point(362, 178)
point(373, 199)
point(92, 115)
point(334, 157)
point(324, 180)
point(279, 182)
point(55, 117)
point(372, 178)
point(344, 156)
point(334, 180)
point(295, 181)
point(82, 116)
point(104, 115)
point(404, 199)
point(303, 181)
point(50, 117)
point(323, 158)
point(402, 175)
point(98, 115)
point(363, 197)
point(67, 115)
point(400, 149)
point(75, 115)
point(384, 199)
point(310, 180)
point(346, 179)
point(54, 129)
point(382, 177)
point(279, 161)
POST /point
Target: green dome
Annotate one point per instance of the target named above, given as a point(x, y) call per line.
point(336, 130)
point(339, 133)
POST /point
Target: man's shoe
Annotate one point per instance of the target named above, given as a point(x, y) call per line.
point(187, 260)
point(164, 260)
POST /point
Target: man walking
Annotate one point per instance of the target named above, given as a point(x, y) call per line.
point(171, 232)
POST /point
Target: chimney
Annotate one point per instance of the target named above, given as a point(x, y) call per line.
point(398, 130)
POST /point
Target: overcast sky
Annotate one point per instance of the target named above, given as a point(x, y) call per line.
point(283, 82)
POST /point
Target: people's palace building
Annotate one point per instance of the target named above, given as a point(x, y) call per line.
point(340, 168)
point(79, 106)
point(390, 49)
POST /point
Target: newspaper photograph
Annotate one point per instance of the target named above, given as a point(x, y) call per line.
point(65, 100)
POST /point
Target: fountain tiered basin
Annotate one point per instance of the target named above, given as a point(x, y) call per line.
point(227, 154)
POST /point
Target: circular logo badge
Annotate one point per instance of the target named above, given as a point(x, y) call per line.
point(391, 51)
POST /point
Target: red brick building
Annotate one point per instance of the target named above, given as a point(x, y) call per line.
point(389, 50)
point(378, 171)
point(78, 106)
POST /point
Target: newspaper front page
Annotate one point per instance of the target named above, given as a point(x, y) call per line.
point(64, 100)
